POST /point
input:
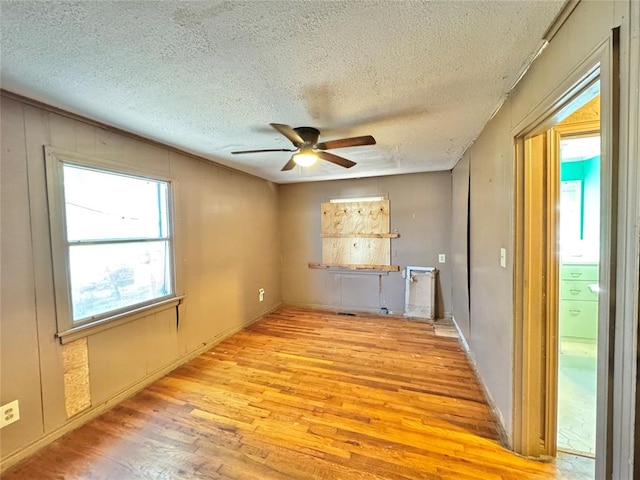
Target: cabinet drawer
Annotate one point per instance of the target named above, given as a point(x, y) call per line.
point(578, 290)
point(579, 319)
point(578, 271)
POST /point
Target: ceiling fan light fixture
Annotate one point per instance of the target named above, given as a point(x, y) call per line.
point(307, 149)
point(305, 159)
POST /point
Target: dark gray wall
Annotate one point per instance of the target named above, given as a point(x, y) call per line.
point(459, 244)
point(227, 245)
point(420, 208)
point(491, 163)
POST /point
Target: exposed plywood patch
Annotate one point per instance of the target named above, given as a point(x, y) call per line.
point(357, 218)
point(77, 396)
point(356, 233)
point(354, 250)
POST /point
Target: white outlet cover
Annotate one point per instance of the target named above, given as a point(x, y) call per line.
point(442, 258)
point(9, 413)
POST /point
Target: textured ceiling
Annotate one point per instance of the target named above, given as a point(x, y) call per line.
point(422, 77)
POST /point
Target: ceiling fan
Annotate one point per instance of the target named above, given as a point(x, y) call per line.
point(308, 150)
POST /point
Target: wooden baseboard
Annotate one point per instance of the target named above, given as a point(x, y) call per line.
point(339, 309)
point(503, 436)
point(97, 410)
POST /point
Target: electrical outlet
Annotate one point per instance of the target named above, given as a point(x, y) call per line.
point(261, 294)
point(10, 413)
point(442, 258)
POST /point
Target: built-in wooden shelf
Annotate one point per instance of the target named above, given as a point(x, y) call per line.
point(339, 266)
point(359, 235)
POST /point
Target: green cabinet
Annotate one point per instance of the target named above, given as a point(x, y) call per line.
point(578, 312)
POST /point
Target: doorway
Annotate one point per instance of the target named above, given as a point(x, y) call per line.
point(562, 334)
point(538, 267)
point(579, 260)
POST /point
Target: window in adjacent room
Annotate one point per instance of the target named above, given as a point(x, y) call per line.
point(111, 239)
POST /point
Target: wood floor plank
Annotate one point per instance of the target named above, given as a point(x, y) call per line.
point(301, 394)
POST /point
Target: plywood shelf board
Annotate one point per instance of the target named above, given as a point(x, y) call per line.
point(360, 235)
point(350, 266)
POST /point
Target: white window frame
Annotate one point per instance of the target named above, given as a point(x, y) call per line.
point(67, 329)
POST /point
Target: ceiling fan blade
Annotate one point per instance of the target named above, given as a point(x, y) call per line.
point(289, 165)
point(330, 157)
point(266, 150)
point(347, 142)
point(289, 132)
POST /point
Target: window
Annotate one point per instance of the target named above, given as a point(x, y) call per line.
point(111, 238)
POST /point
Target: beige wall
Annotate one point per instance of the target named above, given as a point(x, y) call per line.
point(491, 161)
point(420, 207)
point(227, 248)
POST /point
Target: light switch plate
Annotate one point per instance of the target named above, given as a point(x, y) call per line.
point(503, 257)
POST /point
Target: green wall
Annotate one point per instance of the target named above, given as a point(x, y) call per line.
point(588, 172)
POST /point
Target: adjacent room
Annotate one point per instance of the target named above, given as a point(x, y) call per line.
point(319, 239)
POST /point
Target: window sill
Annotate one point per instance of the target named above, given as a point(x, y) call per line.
point(116, 320)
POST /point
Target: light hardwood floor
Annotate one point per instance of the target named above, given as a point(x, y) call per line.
point(301, 394)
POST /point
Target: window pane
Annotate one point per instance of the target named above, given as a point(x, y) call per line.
point(112, 276)
point(103, 205)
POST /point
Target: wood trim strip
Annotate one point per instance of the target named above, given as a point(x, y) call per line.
point(359, 235)
point(552, 186)
point(560, 19)
point(534, 311)
point(337, 266)
point(118, 319)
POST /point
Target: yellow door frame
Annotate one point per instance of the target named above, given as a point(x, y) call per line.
point(531, 424)
point(536, 274)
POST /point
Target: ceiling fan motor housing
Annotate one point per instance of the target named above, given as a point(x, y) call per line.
point(308, 134)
